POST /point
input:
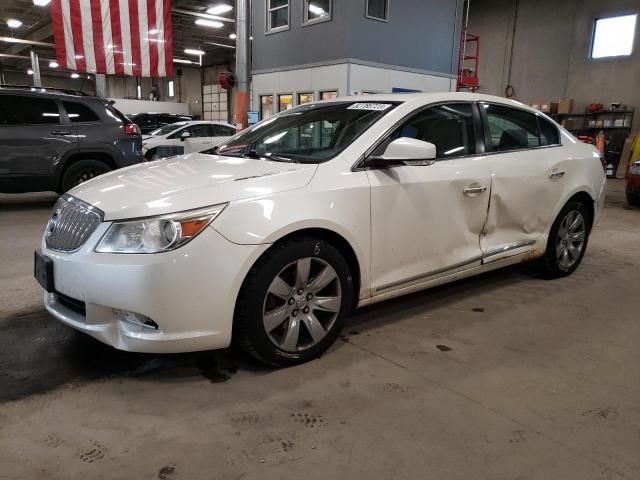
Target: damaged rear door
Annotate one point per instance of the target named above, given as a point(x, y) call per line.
point(528, 179)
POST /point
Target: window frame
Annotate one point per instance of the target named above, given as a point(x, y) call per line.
point(478, 131)
point(613, 57)
point(66, 112)
point(309, 92)
point(488, 147)
point(378, 19)
point(285, 94)
point(273, 104)
point(307, 22)
point(328, 90)
point(268, 30)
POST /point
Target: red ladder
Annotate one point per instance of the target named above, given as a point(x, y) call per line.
point(468, 62)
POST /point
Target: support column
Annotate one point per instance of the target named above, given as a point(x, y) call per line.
point(101, 85)
point(35, 66)
point(243, 55)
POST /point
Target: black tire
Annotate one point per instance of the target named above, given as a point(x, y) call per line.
point(633, 200)
point(81, 171)
point(152, 155)
point(250, 332)
point(550, 263)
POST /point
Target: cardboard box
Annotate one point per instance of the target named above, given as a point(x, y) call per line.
point(535, 105)
point(565, 106)
point(549, 107)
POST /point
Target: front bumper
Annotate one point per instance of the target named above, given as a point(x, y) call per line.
point(189, 293)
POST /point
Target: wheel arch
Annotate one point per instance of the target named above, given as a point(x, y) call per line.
point(77, 156)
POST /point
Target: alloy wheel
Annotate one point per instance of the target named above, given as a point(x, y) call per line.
point(302, 304)
point(570, 240)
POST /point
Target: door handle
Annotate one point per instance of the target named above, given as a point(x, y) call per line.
point(60, 132)
point(474, 188)
point(557, 174)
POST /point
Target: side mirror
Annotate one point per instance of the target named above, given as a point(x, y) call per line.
point(407, 151)
point(184, 135)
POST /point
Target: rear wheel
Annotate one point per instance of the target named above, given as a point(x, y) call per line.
point(568, 240)
point(294, 302)
point(81, 171)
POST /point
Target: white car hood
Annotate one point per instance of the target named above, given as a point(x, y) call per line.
point(188, 182)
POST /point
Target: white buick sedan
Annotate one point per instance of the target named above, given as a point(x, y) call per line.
point(273, 237)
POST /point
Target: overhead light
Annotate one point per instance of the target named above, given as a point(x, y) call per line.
point(191, 51)
point(79, 56)
point(53, 65)
point(182, 60)
point(29, 72)
point(41, 3)
point(220, 8)
point(209, 23)
point(153, 31)
point(13, 23)
point(233, 36)
point(75, 75)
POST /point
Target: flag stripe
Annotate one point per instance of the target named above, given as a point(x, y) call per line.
point(76, 32)
point(134, 25)
point(168, 38)
point(107, 40)
point(127, 59)
point(68, 36)
point(153, 45)
point(161, 45)
point(58, 32)
point(143, 28)
point(98, 42)
point(87, 36)
point(118, 58)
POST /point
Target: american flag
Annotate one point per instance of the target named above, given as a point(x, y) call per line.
point(126, 37)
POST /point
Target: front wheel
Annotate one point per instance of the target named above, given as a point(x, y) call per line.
point(568, 240)
point(81, 171)
point(294, 302)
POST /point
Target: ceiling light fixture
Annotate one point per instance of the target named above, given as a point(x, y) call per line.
point(182, 60)
point(209, 23)
point(29, 72)
point(13, 23)
point(233, 36)
point(53, 65)
point(191, 51)
point(219, 8)
point(75, 75)
point(41, 3)
point(153, 31)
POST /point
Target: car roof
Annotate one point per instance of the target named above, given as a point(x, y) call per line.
point(425, 98)
point(44, 91)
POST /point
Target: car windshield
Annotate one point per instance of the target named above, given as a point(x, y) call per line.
point(310, 133)
point(167, 129)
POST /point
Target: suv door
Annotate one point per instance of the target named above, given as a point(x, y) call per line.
point(33, 139)
point(528, 180)
point(426, 220)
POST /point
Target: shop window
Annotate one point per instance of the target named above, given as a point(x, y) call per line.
point(328, 95)
point(613, 36)
point(285, 102)
point(277, 15)
point(378, 9)
point(305, 98)
point(266, 106)
point(316, 11)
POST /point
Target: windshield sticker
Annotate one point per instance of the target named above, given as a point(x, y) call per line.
point(377, 107)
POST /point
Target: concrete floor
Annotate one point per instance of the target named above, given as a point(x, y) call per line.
point(504, 376)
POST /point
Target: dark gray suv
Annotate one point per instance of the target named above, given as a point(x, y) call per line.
point(54, 139)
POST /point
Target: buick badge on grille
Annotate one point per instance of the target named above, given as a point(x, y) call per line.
point(53, 223)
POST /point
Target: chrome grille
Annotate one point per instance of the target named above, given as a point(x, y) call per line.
point(70, 224)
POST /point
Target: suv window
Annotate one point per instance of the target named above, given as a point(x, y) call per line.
point(511, 129)
point(79, 113)
point(548, 132)
point(448, 127)
point(24, 110)
point(222, 131)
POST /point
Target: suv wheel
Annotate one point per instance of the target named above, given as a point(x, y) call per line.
point(81, 171)
point(294, 302)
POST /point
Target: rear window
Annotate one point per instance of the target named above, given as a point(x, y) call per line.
point(79, 113)
point(548, 132)
point(25, 110)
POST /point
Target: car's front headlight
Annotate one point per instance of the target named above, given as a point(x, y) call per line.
point(157, 234)
point(635, 169)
